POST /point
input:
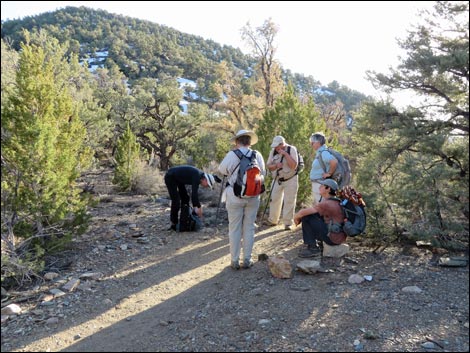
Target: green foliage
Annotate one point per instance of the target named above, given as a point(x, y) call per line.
point(161, 127)
point(207, 147)
point(43, 149)
point(9, 63)
point(295, 121)
point(413, 165)
point(127, 157)
point(150, 49)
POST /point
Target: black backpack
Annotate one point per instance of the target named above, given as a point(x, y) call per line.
point(189, 220)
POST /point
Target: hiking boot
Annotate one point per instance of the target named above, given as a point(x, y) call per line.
point(269, 223)
point(247, 263)
point(235, 265)
point(310, 251)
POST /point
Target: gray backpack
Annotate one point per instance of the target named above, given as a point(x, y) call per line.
point(342, 173)
point(250, 181)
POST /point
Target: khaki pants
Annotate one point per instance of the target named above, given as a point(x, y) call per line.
point(285, 191)
point(241, 224)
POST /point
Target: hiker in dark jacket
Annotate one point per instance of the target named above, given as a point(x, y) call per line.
point(176, 179)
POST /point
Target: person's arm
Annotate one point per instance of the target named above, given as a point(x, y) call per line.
point(270, 164)
point(195, 190)
point(261, 164)
point(226, 166)
point(304, 212)
point(291, 161)
point(333, 164)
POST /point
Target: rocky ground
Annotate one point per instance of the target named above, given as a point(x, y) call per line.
point(129, 284)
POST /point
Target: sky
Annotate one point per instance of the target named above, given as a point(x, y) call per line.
point(328, 40)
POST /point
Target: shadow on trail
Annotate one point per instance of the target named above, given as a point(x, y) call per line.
point(206, 306)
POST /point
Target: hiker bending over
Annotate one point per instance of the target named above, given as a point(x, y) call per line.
point(241, 211)
point(315, 221)
point(176, 179)
point(282, 162)
point(317, 174)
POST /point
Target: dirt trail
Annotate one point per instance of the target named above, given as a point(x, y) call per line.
point(167, 291)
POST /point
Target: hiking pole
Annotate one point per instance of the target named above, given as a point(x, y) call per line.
point(269, 197)
point(222, 187)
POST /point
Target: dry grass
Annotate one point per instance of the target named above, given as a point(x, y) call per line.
point(149, 180)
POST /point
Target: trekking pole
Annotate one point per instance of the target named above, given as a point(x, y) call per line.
point(222, 187)
point(269, 197)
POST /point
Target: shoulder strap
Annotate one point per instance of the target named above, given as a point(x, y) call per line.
point(240, 155)
point(320, 159)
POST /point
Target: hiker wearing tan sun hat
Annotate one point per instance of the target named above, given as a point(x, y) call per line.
point(282, 162)
point(176, 179)
point(241, 210)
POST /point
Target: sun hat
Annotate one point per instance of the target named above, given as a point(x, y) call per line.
point(329, 182)
point(240, 133)
point(210, 180)
point(278, 140)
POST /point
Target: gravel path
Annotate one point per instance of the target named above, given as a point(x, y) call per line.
point(148, 289)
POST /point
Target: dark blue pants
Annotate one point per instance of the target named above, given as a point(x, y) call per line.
point(314, 229)
point(178, 194)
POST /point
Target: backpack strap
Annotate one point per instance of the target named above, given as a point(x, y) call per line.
point(240, 155)
point(320, 159)
point(288, 151)
point(296, 171)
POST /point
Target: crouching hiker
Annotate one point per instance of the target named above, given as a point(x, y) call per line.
point(176, 179)
point(322, 222)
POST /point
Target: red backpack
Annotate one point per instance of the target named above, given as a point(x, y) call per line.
point(250, 180)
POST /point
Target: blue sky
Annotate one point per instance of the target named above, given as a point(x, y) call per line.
point(327, 40)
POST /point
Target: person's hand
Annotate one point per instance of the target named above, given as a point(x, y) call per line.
point(198, 211)
point(297, 219)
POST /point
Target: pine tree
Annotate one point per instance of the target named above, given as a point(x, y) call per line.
point(414, 162)
point(295, 121)
point(127, 156)
point(42, 151)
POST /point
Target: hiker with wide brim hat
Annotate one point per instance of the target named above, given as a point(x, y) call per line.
point(241, 211)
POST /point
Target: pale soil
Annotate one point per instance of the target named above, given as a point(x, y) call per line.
point(177, 293)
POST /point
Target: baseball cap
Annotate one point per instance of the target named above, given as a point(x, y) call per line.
point(329, 182)
point(277, 141)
